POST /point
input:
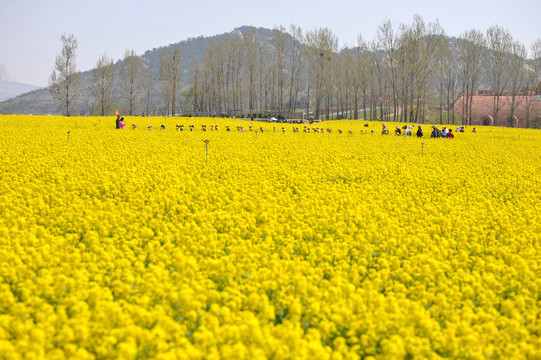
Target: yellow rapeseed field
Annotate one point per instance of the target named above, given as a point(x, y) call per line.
point(134, 244)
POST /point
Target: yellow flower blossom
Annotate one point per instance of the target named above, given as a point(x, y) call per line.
point(122, 244)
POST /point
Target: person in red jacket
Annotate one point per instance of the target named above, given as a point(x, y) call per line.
point(450, 134)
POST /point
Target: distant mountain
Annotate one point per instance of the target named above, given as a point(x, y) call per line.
point(41, 101)
point(10, 88)
point(4, 75)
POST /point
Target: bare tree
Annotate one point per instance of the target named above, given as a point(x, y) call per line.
point(148, 91)
point(531, 82)
point(534, 80)
point(343, 80)
point(131, 79)
point(366, 76)
point(197, 88)
point(64, 80)
point(470, 54)
point(212, 85)
point(410, 58)
point(322, 44)
point(536, 61)
point(102, 81)
point(221, 76)
point(379, 85)
point(295, 65)
point(279, 45)
point(518, 77)
point(329, 85)
point(450, 82)
point(263, 70)
point(214, 60)
point(418, 58)
point(443, 63)
point(170, 75)
point(250, 48)
point(387, 39)
point(499, 42)
point(234, 63)
point(435, 47)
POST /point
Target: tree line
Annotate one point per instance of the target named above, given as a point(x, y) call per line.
point(410, 72)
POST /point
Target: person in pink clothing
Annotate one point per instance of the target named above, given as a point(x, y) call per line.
point(122, 124)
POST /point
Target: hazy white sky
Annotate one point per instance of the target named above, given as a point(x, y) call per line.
point(30, 30)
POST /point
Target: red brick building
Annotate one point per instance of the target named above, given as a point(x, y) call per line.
point(527, 109)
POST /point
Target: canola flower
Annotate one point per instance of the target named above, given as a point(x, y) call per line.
point(334, 244)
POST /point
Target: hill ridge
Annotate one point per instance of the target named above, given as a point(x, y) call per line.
point(40, 101)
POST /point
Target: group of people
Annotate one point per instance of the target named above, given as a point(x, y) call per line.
point(120, 124)
point(444, 133)
point(404, 130)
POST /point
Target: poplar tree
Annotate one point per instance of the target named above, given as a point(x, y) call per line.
point(170, 75)
point(64, 80)
point(499, 42)
point(322, 44)
point(536, 60)
point(518, 79)
point(470, 49)
point(131, 79)
point(102, 81)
